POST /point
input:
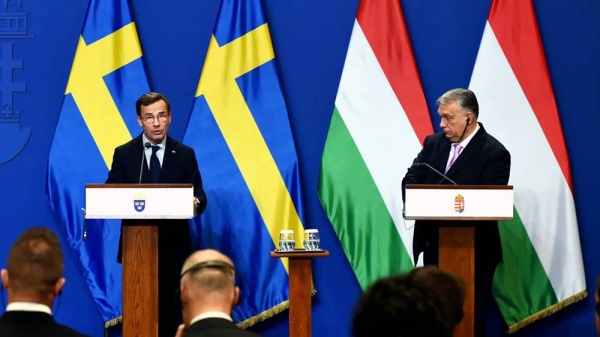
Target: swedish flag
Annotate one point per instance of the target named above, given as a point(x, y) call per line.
point(98, 114)
point(240, 131)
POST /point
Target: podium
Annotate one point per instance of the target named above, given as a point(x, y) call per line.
point(459, 208)
point(139, 206)
point(300, 285)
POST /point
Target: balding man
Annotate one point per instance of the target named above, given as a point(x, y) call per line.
point(208, 294)
point(33, 278)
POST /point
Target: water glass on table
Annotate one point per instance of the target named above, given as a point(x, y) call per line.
point(286, 240)
point(311, 239)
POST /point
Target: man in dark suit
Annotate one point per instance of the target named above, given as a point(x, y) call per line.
point(33, 280)
point(467, 155)
point(165, 160)
point(208, 294)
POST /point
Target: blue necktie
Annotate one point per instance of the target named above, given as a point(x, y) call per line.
point(154, 165)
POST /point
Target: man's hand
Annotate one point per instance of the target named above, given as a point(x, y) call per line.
point(180, 330)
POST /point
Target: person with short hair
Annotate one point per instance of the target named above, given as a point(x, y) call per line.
point(155, 157)
point(208, 294)
point(463, 153)
point(33, 280)
point(448, 288)
point(402, 306)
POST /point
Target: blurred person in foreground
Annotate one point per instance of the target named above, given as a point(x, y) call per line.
point(427, 302)
point(33, 280)
point(208, 293)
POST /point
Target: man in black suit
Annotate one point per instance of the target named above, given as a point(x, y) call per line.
point(33, 280)
point(208, 294)
point(165, 160)
point(467, 155)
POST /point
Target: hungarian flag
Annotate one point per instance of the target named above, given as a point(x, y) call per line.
point(543, 269)
point(379, 122)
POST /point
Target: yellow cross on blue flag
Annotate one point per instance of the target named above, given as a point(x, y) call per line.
point(240, 131)
point(97, 115)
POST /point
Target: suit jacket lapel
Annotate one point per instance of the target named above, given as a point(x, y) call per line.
point(167, 159)
point(473, 148)
point(442, 157)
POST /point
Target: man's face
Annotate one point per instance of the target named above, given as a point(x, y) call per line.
point(155, 120)
point(453, 120)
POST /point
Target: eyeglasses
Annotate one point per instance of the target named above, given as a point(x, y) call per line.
point(150, 119)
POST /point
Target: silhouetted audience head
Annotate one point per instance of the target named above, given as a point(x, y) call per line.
point(207, 284)
point(411, 305)
point(448, 288)
point(34, 268)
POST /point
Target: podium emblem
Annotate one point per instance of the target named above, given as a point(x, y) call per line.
point(459, 204)
point(139, 202)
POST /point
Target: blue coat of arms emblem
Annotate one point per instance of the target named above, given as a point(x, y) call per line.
point(139, 202)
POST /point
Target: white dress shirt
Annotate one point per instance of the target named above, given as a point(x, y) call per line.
point(463, 143)
point(28, 306)
point(211, 314)
point(160, 153)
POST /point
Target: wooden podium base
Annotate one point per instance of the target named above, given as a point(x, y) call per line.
point(300, 289)
point(457, 254)
point(140, 278)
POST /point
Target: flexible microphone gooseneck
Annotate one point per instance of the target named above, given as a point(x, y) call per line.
point(147, 145)
point(438, 172)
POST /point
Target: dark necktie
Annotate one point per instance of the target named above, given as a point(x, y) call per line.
point(154, 165)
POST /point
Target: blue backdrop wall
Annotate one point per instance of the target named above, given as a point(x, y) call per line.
point(310, 39)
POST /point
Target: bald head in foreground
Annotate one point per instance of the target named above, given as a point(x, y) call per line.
point(208, 294)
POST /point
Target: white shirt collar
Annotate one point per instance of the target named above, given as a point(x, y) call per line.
point(466, 141)
point(161, 144)
point(211, 314)
point(28, 306)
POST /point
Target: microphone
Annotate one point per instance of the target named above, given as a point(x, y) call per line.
point(147, 145)
point(438, 172)
point(434, 170)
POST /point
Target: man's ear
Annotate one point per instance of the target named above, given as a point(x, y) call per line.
point(236, 296)
point(59, 285)
point(139, 120)
point(183, 294)
point(4, 274)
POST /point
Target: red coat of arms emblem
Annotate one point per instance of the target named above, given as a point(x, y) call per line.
point(459, 204)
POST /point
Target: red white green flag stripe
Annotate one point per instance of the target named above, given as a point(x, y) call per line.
point(543, 269)
point(379, 121)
